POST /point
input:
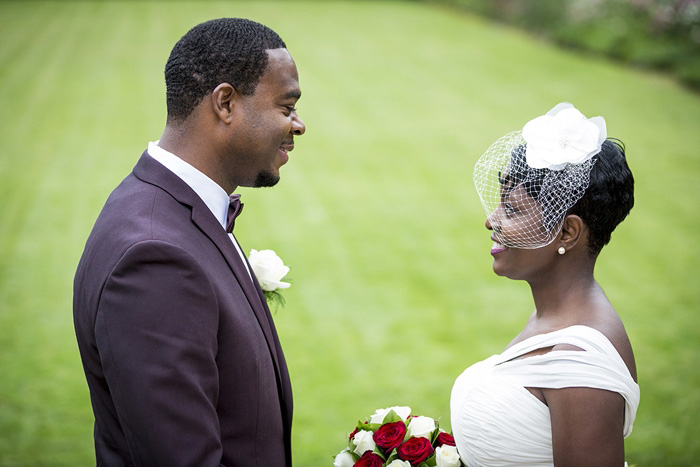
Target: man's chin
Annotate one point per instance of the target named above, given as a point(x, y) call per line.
point(266, 179)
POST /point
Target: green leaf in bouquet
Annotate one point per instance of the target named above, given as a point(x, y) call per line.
point(378, 451)
point(391, 417)
point(365, 426)
point(434, 434)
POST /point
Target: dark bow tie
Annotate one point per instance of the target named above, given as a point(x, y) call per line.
point(234, 209)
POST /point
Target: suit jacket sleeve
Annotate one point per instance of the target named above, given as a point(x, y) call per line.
point(156, 332)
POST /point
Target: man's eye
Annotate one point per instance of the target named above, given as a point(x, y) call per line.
point(290, 108)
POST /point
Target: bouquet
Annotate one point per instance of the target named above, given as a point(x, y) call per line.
point(393, 437)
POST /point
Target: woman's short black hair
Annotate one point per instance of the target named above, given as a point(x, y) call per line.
point(609, 197)
point(225, 50)
point(606, 202)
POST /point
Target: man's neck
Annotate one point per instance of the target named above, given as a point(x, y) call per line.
point(185, 142)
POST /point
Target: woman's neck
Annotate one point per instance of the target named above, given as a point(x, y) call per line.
point(565, 296)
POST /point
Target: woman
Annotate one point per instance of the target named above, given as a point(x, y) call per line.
point(564, 391)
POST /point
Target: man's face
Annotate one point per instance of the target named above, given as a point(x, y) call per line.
point(268, 122)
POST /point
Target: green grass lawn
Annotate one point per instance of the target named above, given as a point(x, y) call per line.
point(393, 294)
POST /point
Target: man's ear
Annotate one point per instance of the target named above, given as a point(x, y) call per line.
point(223, 99)
point(573, 232)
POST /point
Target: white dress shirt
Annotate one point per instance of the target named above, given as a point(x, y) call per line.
point(208, 190)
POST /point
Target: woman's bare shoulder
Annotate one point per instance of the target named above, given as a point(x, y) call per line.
point(611, 326)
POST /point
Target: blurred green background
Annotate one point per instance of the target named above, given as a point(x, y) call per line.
point(393, 294)
point(654, 34)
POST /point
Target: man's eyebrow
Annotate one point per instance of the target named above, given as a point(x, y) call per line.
point(290, 94)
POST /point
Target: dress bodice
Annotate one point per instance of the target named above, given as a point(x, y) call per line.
point(496, 421)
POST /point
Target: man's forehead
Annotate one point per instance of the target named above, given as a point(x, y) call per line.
point(282, 72)
point(279, 57)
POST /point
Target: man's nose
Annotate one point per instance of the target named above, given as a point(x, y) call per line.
point(298, 126)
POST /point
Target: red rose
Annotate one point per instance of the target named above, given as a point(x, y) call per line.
point(353, 433)
point(445, 438)
point(415, 450)
point(390, 435)
point(369, 459)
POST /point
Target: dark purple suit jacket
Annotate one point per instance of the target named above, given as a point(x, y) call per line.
point(181, 355)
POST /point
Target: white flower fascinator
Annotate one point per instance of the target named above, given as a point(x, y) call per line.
point(562, 136)
point(528, 180)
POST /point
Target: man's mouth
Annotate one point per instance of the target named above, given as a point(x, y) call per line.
point(283, 151)
point(287, 146)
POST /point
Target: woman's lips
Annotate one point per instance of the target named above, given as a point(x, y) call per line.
point(497, 248)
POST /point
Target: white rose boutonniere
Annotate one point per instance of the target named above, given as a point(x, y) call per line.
point(562, 136)
point(269, 270)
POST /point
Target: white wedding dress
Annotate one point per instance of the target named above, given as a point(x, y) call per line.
point(497, 422)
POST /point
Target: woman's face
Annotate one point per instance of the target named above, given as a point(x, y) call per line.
point(517, 221)
point(517, 229)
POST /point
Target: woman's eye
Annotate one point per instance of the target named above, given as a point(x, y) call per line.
point(510, 210)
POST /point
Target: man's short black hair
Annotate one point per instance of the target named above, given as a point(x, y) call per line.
point(609, 197)
point(225, 50)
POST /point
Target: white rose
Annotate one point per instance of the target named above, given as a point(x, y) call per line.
point(421, 426)
point(269, 269)
point(363, 442)
point(447, 456)
point(398, 463)
point(344, 459)
point(564, 135)
point(401, 411)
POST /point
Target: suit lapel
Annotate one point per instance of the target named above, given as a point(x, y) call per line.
point(151, 171)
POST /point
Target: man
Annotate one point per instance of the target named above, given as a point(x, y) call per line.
point(181, 356)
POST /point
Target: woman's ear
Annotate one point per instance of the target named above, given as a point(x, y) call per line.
point(223, 98)
point(573, 232)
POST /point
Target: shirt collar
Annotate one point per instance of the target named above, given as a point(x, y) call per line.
point(207, 189)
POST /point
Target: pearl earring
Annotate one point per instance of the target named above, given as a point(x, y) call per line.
point(561, 250)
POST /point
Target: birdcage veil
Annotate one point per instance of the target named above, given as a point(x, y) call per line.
point(527, 180)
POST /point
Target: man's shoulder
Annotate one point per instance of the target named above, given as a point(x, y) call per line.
point(136, 211)
point(134, 193)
